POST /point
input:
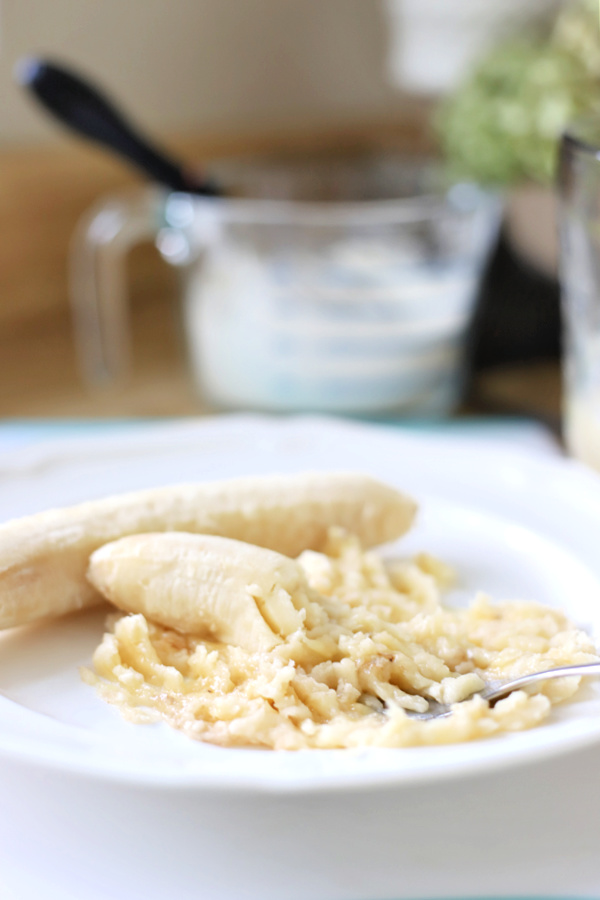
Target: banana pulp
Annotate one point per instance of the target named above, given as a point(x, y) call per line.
point(239, 646)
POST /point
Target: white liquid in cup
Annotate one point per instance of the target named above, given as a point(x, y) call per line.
point(341, 338)
point(582, 427)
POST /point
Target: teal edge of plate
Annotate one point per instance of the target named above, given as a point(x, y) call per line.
point(48, 426)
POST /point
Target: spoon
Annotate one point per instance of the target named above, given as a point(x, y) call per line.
point(493, 694)
point(82, 107)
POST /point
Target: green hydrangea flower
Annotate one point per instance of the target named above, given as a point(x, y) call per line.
point(503, 125)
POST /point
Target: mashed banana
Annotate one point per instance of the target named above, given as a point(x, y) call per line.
point(375, 642)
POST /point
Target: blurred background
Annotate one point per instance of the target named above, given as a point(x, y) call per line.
point(486, 88)
point(217, 65)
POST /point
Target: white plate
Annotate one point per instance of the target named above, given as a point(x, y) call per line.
point(514, 524)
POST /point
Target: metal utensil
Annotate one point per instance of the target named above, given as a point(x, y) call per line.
point(494, 693)
point(83, 108)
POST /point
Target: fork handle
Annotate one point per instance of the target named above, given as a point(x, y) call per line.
point(579, 670)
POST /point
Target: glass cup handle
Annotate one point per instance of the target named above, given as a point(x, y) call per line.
point(98, 283)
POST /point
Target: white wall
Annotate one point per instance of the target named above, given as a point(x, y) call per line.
point(222, 65)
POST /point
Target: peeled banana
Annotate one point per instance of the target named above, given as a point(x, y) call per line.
point(44, 557)
point(222, 589)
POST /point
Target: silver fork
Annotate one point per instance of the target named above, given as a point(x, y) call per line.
point(493, 694)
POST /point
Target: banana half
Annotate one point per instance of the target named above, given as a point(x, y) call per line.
point(215, 587)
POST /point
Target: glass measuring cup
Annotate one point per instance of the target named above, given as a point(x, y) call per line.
point(579, 182)
point(336, 286)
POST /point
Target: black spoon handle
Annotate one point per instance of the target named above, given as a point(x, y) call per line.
point(84, 109)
